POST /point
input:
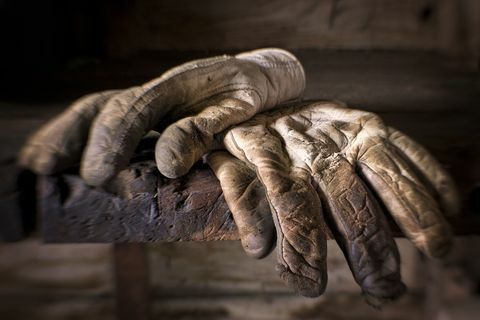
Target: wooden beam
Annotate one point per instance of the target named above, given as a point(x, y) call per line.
point(188, 209)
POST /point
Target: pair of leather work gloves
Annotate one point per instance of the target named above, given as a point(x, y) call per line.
point(287, 168)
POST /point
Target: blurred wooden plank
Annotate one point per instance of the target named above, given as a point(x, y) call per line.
point(132, 290)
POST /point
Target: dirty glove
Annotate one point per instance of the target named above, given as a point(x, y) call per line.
point(204, 96)
point(322, 164)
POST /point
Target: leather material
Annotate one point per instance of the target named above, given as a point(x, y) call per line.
point(295, 171)
point(323, 163)
point(115, 122)
point(59, 144)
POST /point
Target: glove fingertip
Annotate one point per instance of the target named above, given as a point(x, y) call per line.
point(451, 202)
point(38, 160)
point(384, 292)
point(435, 241)
point(257, 246)
point(377, 300)
point(171, 167)
point(169, 162)
point(439, 249)
point(97, 175)
point(301, 284)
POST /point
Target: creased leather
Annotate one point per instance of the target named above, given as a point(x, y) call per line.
point(115, 123)
point(322, 162)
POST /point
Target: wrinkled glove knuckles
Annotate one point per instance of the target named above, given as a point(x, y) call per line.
point(211, 93)
point(292, 173)
point(325, 163)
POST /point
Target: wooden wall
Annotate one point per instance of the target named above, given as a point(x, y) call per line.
point(216, 280)
point(339, 24)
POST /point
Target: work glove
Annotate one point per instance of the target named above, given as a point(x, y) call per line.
point(201, 98)
point(322, 166)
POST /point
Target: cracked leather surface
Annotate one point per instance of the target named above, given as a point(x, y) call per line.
point(296, 172)
point(101, 131)
point(322, 165)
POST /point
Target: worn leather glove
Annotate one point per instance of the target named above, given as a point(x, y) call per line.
point(321, 164)
point(204, 96)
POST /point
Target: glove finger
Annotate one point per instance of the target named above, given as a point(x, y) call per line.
point(246, 199)
point(406, 197)
point(114, 136)
point(186, 141)
point(360, 229)
point(128, 116)
point(428, 167)
point(59, 143)
point(255, 77)
point(295, 206)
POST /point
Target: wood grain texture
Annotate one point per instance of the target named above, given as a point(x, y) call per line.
point(132, 291)
point(448, 26)
point(187, 209)
point(215, 24)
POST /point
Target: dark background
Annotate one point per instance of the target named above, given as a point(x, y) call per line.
point(47, 44)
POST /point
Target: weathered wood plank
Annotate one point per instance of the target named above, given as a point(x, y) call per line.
point(188, 209)
point(449, 26)
point(350, 24)
point(131, 281)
